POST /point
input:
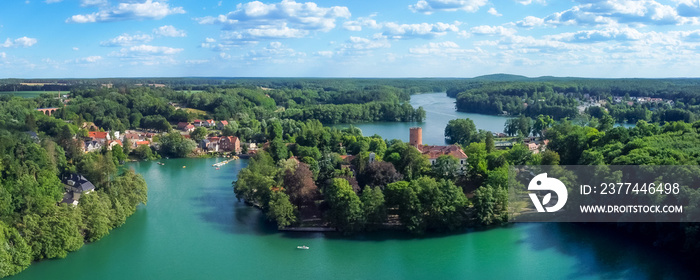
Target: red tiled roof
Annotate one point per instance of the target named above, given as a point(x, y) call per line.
point(182, 125)
point(224, 122)
point(434, 152)
point(97, 134)
point(189, 126)
point(139, 143)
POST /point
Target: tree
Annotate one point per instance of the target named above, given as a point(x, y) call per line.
point(490, 143)
point(379, 174)
point(15, 254)
point(550, 158)
point(96, 213)
point(345, 212)
point(198, 134)
point(278, 149)
point(144, 152)
point(300, 185)
point(230, 129)
point(281, 210)
point(541, 124)
point(118, 154)
point(374, 207)
point(402, 194)
point(175, 145)
point(446, 167)
point(462, 131)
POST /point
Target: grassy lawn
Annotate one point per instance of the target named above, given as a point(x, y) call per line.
point(195, 111)
point(31, 94)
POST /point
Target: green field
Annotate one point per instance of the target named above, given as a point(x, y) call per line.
point(31, 94)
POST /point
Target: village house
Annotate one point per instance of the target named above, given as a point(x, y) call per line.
point(198, 123)
point(92, 145)
point(99, 135)
point(230, 144)
point(132, 137)
point(112, 143)
point(188, 128)
point(182, 125)
point(209, 123)
point(433, 152)
point(75, 186)
point(221, 125)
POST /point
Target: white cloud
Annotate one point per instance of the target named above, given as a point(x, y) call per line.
point(128, 11)
point(287, 19)
point(418, 30)
point(88, 3)
point(76, 49)
point(606, 12)
point(89, 59)
point(196, 61)
point(147, 55)
point(275, 52)
point(530, 22)
point(447, 48)
point(430, 6)
point(493, 11)
point(359, 43)
point(127, 40)
point(492, 30)
point(52, 1)
point(23, 42)
point(528, 2)
point(356, 25)
point(3, 55)
point(607, 34)
point(169, 31)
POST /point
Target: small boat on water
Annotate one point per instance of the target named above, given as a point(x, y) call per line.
point(303, 247)
point(217, 168)
point(184, 166)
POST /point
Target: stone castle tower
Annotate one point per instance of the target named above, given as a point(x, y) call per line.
point(416, 136)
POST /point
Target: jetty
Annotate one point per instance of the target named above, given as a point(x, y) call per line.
point(219, 164)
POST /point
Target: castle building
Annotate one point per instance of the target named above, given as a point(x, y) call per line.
point(433, 152)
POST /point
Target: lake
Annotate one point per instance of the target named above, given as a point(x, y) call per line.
point(193, 228)
point(439, 110)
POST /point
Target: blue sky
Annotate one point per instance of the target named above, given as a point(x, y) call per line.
point(416, 38)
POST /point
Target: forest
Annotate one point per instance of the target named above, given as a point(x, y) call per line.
point(309, 174)
point(33, 225)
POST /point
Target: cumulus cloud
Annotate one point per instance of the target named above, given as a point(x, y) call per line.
point(607, 34)
point(493, 11)
point(127, 40)
point(128, 11)
point(530, 22)
point(3, 55)
point(23, 42)
point(418, 30)
point(356, 25)
point(492, 30)
point(274, 52)
point(169, 31)
point(286, 19)
point(89, 59)
point(606, 12)
point(447, 48)
point(528, 2)
point(88, 3)
point(147, 54)
point(430, 6)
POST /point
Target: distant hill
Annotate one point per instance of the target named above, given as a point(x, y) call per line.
point(501, 78)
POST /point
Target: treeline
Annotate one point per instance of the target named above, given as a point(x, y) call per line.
point(33, 224)
point(530, 99)
point(368, 112)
